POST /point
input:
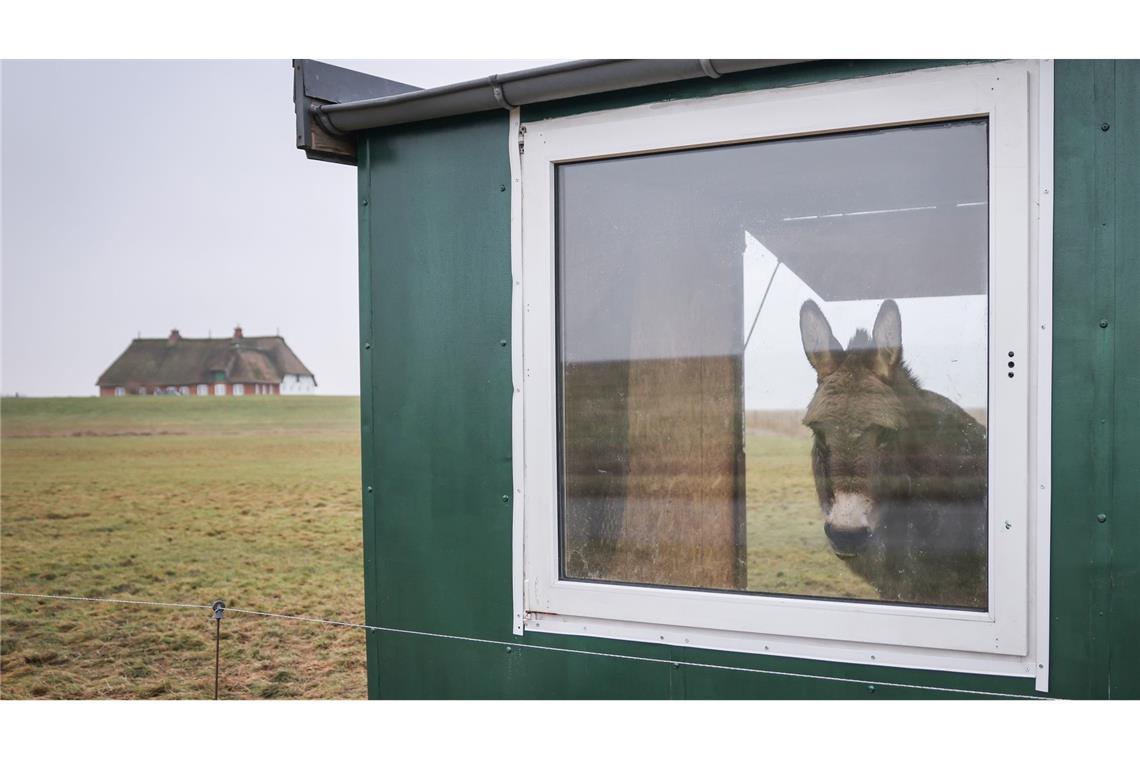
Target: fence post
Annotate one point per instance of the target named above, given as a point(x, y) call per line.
point(219, 609)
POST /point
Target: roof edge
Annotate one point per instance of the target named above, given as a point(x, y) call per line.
point(519, 88)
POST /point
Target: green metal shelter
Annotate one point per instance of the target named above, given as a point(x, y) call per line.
point(635, 416)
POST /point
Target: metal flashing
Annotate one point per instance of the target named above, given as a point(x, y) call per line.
point(317, 84)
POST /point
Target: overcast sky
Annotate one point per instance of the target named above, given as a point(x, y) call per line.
point(140, 196)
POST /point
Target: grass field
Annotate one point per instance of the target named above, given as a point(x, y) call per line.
point(787, 550)
point(254, 500)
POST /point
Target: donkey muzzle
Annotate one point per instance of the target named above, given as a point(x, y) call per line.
point(848, 524)
point(847, 543)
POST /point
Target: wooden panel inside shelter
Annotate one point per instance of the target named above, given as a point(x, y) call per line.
point(680, 526)
point(652, 428)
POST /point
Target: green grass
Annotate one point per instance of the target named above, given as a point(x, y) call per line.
point(252, 500)
point(787, 550)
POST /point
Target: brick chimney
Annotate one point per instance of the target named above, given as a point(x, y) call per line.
point(237, 333)
point(175, 336)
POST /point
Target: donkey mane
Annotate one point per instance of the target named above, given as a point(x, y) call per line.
point(862, 346)
point(860, 341)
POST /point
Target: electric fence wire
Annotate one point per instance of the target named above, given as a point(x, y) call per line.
point(542, 648)
point(101, 599)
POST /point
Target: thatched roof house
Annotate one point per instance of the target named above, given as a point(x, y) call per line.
point(233, 366)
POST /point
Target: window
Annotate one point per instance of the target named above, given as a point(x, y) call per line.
point(203, 389)
point(239, 389)
point(702, 382)
point(120, 391)
point(184, 390)
point(220, 389)
point(786, 404)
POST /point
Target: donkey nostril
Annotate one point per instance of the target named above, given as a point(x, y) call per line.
point(846, 541)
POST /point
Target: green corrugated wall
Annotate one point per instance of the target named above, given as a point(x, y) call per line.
point(436, 421)
point(1096, 381)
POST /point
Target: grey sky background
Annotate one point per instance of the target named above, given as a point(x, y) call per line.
point(140, 196)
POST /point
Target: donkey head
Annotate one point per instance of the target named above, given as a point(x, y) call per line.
point(857, 418)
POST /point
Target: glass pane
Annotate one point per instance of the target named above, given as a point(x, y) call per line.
point(737, 410)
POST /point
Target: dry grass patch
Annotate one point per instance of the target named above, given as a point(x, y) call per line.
point(254, 500)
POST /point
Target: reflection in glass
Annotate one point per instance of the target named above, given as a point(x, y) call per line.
point(737, 410)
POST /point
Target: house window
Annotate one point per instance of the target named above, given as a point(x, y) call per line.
point(184, 390)
point(120, 391)
point(239, 389)
point(203, 389)
point(786, 407)
point(220, 389)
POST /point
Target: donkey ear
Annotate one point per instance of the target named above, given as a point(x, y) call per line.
point(888, 341)
point(820, 345)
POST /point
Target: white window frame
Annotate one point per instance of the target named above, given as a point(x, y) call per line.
point(219, 389)
point(203, 389)
point(120, 391)
point(1011, 637)
point(239, 389)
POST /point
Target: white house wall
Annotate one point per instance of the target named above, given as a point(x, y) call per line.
point(297, 384)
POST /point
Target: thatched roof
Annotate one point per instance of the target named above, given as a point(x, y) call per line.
point(187, 361)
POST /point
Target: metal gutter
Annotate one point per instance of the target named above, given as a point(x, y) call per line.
point(564, 80)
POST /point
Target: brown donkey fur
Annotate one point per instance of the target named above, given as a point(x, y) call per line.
point(900, 471)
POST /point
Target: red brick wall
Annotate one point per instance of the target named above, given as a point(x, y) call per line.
point(250, 389)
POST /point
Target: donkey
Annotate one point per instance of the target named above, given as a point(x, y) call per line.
point(900, 471)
